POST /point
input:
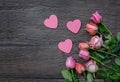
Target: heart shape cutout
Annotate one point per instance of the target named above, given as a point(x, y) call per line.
point(51, 22)
point(65, 46)
point(74, 26)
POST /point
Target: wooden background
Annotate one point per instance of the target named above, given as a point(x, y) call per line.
point(28, 50)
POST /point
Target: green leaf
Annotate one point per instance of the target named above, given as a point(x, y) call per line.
point(115, 67)
point(113, 41)
point(98, 55)
point(110, 43)
point(95, 55)
point(102, 28)
point(107, 61)
point(117, 61)
point(102, 72)
point(108, 37)
point(106, 43)
point(66, 75)
point(101, 55)
point(118, 36)
point(89, 77)
point(115, 49)
point(114, 77)
point(109, 74)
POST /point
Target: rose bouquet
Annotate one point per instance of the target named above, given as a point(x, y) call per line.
point(101, 53)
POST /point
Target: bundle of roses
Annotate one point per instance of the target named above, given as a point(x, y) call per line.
point(102, 55)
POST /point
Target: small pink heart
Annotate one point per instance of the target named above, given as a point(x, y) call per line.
point(51, 22)
point(65, 46)
point(74, 26)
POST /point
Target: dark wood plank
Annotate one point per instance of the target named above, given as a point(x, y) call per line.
point(34, 80)
point(29, 49)
point(40, 80)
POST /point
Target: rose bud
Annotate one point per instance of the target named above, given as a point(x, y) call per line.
point(70, 62)
point(79, 68)
point(96, 42)
point(91, 28)
point(83, 46)
point(84, 54)
point(96, 17)
point(91, 66)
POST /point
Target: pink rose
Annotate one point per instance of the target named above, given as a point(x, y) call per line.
point(96, 42)
point(96, 17)
point(79, 68)
point(70, 62)
point(91, 28)
point(91, 66)
point(84, 54)
point(83, 46)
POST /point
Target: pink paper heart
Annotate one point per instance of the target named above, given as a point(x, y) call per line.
point(51, 22)
point(65, 46)
point(74, 26)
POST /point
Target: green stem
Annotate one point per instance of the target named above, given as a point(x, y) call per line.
point(106, 28)
point(76, 79)
point(98, 61)
point(104, 52)
point(94, 75)
point(84, 75)
point(99, 33)
point(73, 75)
point(105, 47)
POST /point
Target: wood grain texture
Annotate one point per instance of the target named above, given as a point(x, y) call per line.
point(32, 80)
point(40, 80)
point(29, 50)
